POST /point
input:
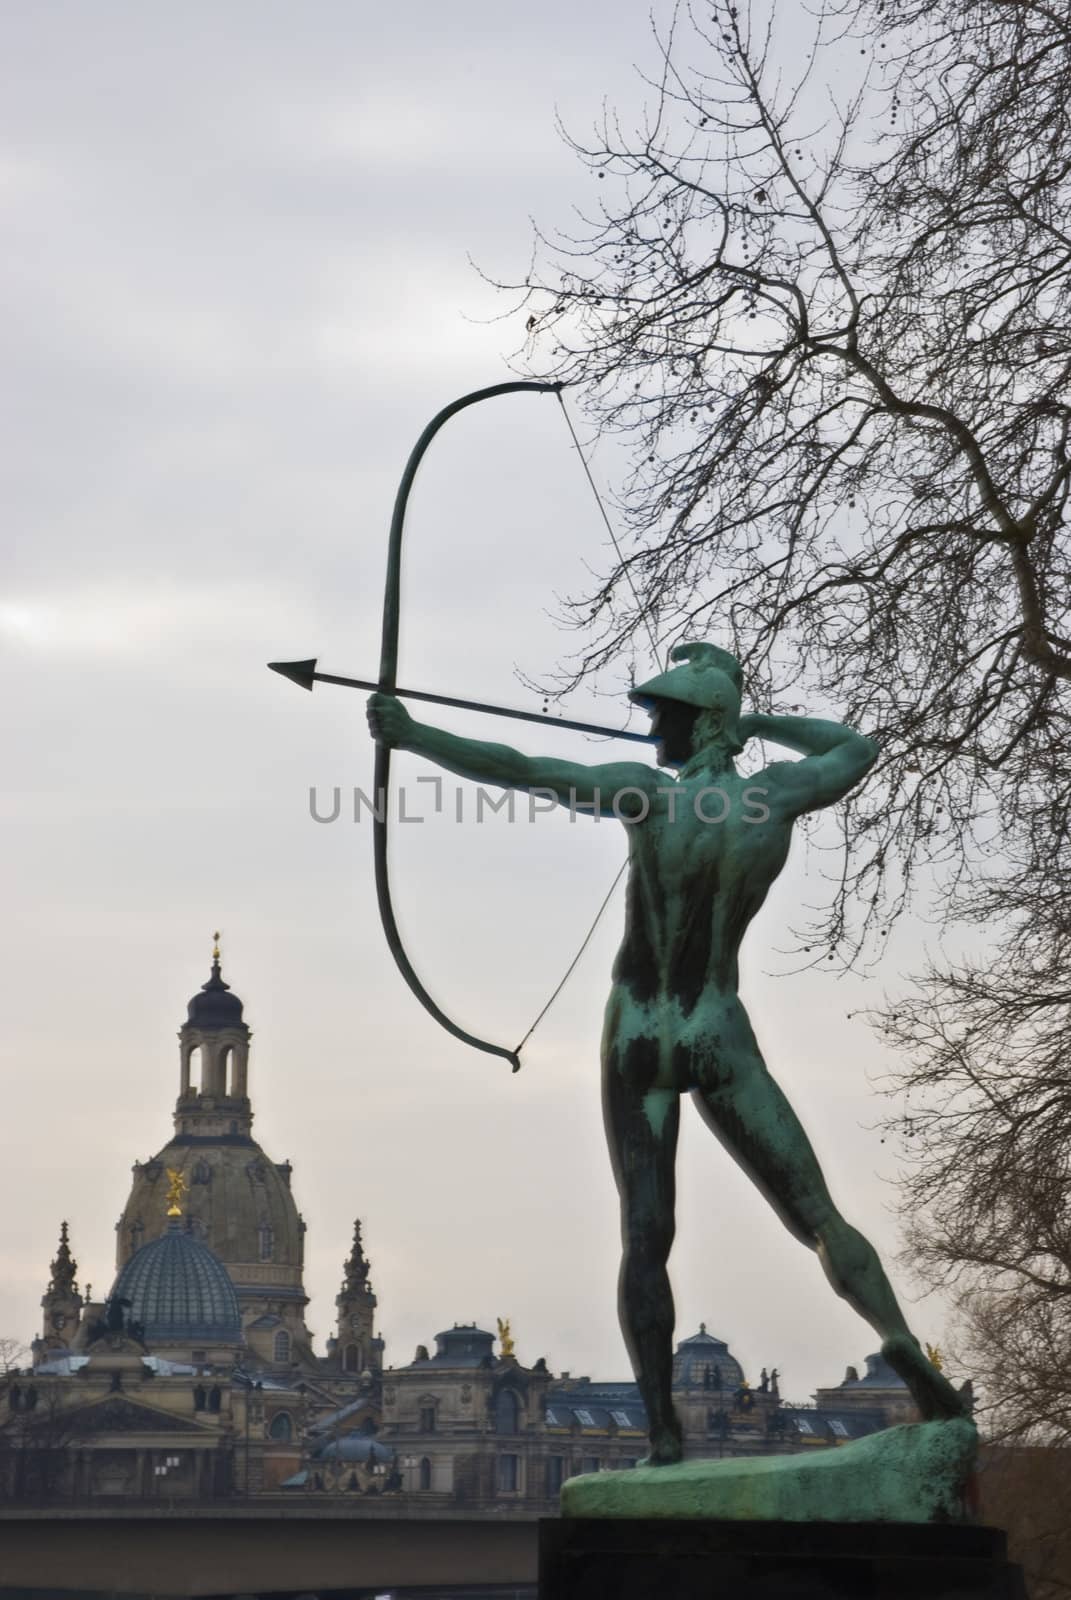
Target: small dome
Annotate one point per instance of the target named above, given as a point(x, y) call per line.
point(878, 1375)
point(215, 1006)
point(464, 1346)
point(180, 1292)
point(703, 1362)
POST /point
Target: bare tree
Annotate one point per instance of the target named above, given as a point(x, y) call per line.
point(987, 1185)
point(840, 369)
point(831, 318)
point(39, 1424)
point(1028, 1491)
point(12, 1352)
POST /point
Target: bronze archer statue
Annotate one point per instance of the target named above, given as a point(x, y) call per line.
point(704, 850)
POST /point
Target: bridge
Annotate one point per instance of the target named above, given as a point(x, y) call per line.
point(273, 1548)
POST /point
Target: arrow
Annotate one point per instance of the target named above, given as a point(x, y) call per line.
point(305, 675)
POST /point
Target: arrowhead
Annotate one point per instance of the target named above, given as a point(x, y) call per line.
point(303, 673)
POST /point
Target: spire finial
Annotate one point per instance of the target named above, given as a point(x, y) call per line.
point(356, 1266)
point(215, 946)
point(64, 1267)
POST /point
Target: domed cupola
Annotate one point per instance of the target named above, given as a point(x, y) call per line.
point(179, 1292)
point(703, 1362)
point(176, 1291)
point(464, 1346)
point(214, 1006)
point(214, 1038)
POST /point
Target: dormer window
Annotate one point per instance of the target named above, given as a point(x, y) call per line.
point(266, 1238)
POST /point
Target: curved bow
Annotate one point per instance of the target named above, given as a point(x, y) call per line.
point(388, 679)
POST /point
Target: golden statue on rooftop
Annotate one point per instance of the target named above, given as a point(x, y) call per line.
point(176, 1188)
point(505, 1338)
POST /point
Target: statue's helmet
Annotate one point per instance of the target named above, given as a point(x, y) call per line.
point(708, 678)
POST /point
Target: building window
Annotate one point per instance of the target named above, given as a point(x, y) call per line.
point(266, 1236)
point(281, 1346)
point(215, 1399)
point(281, 1427)
point(592, 1464)
point(427, 1419)
point(351, 1359)
point(838, 1428)
point(200, 1398)
point(508, 1473)
point(507, 1412)
point(621, 1418)
point(555, 1473)
point(425, 1473)
point(585, 1418)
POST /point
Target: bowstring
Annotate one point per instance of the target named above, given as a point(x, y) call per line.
point(571, 968)
point(641, 609)
point(574, 963)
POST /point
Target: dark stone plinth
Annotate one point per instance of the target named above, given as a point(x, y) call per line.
point(660, 1559)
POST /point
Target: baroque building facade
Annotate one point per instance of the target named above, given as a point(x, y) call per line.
point(195, 1378)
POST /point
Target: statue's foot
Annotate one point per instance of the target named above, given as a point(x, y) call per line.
point(931, 1391)
point(666, 1448)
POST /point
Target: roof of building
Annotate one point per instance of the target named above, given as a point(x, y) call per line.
point(878, 1375)
point(823, 1426)
point(569, 1411)
point(178, 1291)
point(61, 1364)
point(354, 1447)
point(333, 1418)
point(463, 1345)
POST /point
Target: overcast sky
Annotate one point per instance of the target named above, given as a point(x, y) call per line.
point(238, 283)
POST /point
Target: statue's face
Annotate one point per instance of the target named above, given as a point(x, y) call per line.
point(672, 723)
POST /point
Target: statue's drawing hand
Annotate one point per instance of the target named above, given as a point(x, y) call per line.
point(388, 720)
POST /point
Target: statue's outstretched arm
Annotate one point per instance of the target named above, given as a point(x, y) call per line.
point(571, 782)
point(836, 758)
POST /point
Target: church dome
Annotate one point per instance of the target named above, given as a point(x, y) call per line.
point(215, 1006)
point(180, 1292)
point(239, 1203)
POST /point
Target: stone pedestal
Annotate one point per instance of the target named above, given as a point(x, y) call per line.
point(641, 1558)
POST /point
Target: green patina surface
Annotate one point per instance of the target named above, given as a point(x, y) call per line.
point(705, 845)
point(915, 1473)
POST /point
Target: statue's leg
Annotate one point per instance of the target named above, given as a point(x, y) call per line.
point(641, 1129)
point(751, 1116)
